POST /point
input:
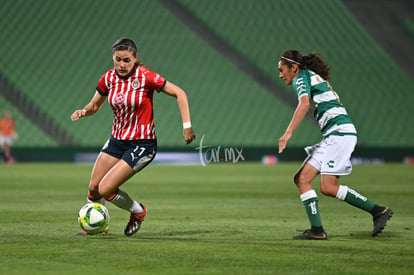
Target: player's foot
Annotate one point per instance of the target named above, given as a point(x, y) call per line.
point(309, 235)
point(135, 221)
point(82, 233)
point(380, 221)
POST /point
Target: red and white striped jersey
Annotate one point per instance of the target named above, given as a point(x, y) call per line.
point(131, 100)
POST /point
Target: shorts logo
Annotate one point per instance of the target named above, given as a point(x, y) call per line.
point(105, 145)
point(331, 164)
point(135, 84)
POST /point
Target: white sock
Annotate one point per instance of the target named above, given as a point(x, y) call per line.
point(342, 191)
point(124, 201)
point(308, 195)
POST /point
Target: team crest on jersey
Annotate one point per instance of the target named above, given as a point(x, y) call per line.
point(135, 84)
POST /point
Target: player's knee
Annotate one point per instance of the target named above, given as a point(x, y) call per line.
point(329, 185)
point(300, 179)
point(93, 194)
point(328, 190)
point(303, 182)
point(107, 193)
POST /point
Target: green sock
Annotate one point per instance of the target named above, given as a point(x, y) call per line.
point(310, 201)
point(312, 210)
point(357, 200)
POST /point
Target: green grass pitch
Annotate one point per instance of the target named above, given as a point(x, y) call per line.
point(218, 219)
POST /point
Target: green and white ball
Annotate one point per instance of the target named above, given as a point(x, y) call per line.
point(94, 218)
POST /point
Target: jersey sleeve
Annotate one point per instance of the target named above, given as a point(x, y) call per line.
point(102, 87)
point(302, 84)
point(155, 81)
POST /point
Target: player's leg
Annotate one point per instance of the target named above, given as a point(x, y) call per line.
point(110, 183)
point(380, 214)
point(7, 142)
point(137, 156)
point(303, 179)
point(337, 162)
point(330, 187)
point(110, 171)
point(134, 159)
point(104, 162)
point(109, 188)
point(2, 153)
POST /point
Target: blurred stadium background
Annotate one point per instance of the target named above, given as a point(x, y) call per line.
point(223, 54)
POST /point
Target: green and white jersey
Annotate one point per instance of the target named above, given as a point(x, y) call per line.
point(329, 112)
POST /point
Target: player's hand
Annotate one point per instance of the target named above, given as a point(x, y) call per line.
point(77, 115)
point(189, 135)
point(283, 141)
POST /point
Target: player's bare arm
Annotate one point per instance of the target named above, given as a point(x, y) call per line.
point(91, 108)
point(175, 91)
point(300, 113)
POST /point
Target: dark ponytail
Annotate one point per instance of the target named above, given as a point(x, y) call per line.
point(312, 61)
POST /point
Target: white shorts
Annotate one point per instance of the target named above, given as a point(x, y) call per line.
point(332, 156)
point(6, 140)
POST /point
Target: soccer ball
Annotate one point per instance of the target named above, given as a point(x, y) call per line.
point(94, 218)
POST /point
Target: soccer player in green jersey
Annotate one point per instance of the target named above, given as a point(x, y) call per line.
point(330, 158)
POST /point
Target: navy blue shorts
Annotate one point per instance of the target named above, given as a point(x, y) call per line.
point(137, 153)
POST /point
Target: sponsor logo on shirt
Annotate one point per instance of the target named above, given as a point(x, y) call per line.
point(157, 78)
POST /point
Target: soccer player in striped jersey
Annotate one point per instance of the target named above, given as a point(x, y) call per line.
point(129, 89)
point(330, 158)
